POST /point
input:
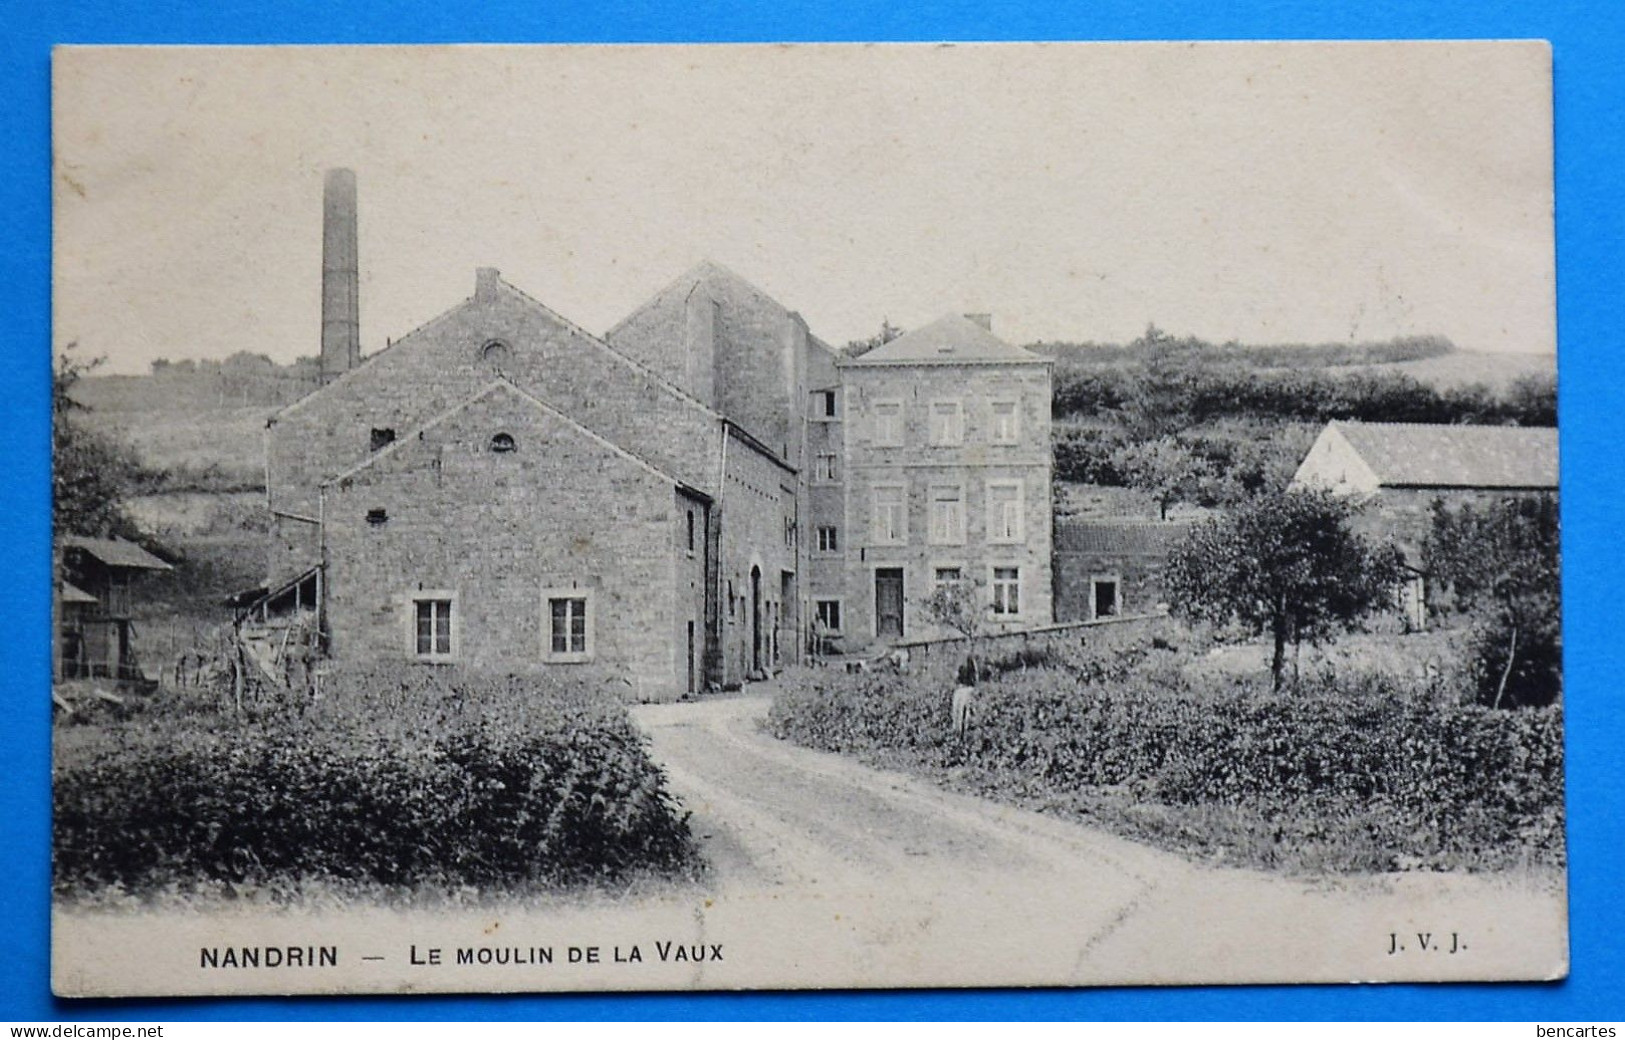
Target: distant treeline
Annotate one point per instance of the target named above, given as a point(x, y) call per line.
point(1189, 421)
point(1204, 394)
point(241, 380)
point(1161, 383)
point(1274, 355)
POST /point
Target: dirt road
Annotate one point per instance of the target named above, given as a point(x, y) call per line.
point(902, 876)
point(830, 874)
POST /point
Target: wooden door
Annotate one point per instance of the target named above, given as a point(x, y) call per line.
point(889, 603)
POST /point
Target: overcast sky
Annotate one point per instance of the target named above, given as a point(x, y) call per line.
point(1256, 192)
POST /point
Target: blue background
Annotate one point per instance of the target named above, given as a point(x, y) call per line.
point(1587, 47)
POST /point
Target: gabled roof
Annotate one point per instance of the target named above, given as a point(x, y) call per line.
point(1421, 455)
point(72, 593)
point(501, 385)
point(667, 306)
point(952, 339)
point(500, 284)
point(1119, 537)
point(116, 552)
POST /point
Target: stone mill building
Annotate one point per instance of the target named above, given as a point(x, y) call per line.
point(670, 505)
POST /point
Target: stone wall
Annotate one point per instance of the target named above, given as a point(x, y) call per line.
point(1139, 578)
point(494, 530)
point(444, 362)
point(759, 531)
point(942, 657)
point(916, 465)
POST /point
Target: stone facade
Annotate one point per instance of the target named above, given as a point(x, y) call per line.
point(686, 494)
point(499, 332)
point(741, 352)
point(947, 476)
point(496, 509)
point(1111, 568)
point(502, 335)
point(758, 566)
point(731, 346)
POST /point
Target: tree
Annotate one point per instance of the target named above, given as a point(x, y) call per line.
point(1165, 467)
point(1287, 563)
point(958, 606)
point(1500, 560)
point(860, 347)
point(1161, 387)
point(90, 474)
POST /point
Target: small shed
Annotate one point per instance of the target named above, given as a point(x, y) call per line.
point(95, 608)
point(1108, 568)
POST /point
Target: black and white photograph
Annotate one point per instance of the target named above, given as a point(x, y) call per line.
point(714, 517)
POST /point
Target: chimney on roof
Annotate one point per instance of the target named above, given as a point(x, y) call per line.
point(984, 320)
point(485, 282)
point(341, 277)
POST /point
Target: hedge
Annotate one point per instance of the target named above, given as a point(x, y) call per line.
point(1402, 780)
point(395, 779)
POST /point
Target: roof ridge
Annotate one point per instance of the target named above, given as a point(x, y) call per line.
point(652, 298)
point(388, 346)
point(504, 383)
point(636, 365)
point(980, 346)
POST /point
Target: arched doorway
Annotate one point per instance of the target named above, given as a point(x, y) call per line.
point(755, 621)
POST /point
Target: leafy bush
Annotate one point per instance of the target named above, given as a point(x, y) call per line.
point(1499, 562)
point(1339, 775)
point(395, 779)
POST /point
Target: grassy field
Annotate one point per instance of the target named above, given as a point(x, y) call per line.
point(1464, 367)
point(229, 441)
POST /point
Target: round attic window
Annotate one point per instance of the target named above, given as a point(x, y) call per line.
point(503, 442)
point(495, 352)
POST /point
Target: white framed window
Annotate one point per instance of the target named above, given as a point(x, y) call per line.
point(434, 634)
point(947, 514)
point(888, 424)
point(947, 423)
point(826, 403)
point(890, 526)
point(1006, 587)
point(829, 538)
point(828, 613)
point(567, 625)
point(947, 573)
point(1005, 514)
point(1006, 425)
point(824, 466)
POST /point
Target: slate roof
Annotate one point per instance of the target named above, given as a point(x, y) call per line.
point(1421, 455)
point(1119, 537)
point(951, 339)
point(116, 552)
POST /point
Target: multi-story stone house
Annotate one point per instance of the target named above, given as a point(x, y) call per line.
point(670, 505)
point(946, 459)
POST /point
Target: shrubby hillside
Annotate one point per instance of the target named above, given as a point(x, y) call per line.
point(1189, 421)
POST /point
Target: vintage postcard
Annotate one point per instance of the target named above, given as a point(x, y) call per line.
point(716, 517)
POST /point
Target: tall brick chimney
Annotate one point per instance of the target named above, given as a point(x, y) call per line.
point(341, 277)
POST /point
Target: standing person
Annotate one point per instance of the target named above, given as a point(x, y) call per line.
point(964, 699)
